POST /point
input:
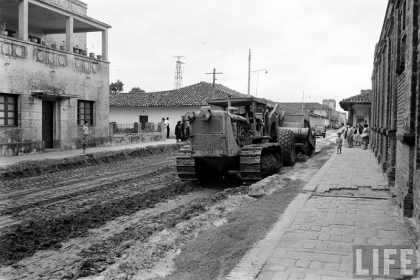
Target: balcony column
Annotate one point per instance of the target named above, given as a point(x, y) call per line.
point(69, 34)
point(23, 20)
point(105, 45)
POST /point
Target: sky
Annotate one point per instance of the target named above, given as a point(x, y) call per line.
point(319, 49)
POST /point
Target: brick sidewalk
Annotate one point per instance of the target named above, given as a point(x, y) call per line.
point(314, 238)
point(6, 161)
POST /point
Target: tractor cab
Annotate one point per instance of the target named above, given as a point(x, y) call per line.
point(248, 116)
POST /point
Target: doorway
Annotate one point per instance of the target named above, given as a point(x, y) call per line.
point(143, 120)
point(48, 124)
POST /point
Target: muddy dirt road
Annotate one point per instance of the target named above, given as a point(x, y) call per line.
point(118, 220)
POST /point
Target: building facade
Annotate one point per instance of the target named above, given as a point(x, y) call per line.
point(330, 103)
point(396, 103)
point(126, 108)
point(319, 114)
point(49, 85)
point(358, 107)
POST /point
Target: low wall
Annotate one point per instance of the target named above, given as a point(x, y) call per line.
point(22, 148)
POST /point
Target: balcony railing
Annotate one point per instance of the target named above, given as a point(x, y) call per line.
point(49, 55)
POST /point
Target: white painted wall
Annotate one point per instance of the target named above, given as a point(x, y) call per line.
point(360, 111)
point(318, 121)
point(155, 114)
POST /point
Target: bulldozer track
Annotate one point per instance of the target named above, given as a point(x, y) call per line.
point(185, 164)
point(251, 168)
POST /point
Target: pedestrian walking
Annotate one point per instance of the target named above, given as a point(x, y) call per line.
point(85, 129)
point(365, 136)
point(339, 142)
point(167, 127)
point(350, 134)
point(178, 132)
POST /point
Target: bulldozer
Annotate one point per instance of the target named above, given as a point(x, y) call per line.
point(238, 135)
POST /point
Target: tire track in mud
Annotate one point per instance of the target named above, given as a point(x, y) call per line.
point(23, 240)
point(67, 260)
point(77, 191)
point(48, 166)
point(62, 178)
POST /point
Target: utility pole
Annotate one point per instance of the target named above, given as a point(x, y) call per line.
point(249, 72)
point(303, 97)
point(178, 72)
point(214, 73)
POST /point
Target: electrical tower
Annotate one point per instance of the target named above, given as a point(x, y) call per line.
point(178, 72)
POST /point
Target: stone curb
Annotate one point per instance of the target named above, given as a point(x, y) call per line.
point(253, 262)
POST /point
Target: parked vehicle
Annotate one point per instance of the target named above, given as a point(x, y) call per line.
point(320, 130)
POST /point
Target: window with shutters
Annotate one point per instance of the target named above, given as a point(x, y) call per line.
point(8, 110)
point(84, 112)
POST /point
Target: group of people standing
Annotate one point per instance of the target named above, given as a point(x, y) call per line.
point(182, 131)
point(354, 135)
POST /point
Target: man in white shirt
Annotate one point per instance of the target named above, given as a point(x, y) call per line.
point(167, 127)
point(85, 129)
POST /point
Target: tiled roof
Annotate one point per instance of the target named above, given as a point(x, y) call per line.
point(194, 95)
point(365, 97)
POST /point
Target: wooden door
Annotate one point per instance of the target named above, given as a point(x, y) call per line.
point(47, 124)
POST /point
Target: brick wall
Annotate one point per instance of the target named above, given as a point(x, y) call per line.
point(395, 103)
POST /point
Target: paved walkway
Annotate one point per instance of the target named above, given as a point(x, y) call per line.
point(345, 204)
point(6, 161)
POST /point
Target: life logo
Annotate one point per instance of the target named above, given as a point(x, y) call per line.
point(396, 262)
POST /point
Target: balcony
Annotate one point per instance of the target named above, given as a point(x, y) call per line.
point(52, 31)
point(49, 56)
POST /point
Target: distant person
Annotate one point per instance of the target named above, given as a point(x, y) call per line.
point(187, 130)
point(178, 132)
point(249, 115)
point(85, 129)
point(359, 131)
point(350, 134)
point(163, 125)
point(339, 142)
point(365, 135)
point(167, 127)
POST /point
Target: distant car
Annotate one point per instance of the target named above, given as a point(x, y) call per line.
point(320, 130)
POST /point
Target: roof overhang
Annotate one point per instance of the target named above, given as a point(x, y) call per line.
point(52, 94)
point(238, 101)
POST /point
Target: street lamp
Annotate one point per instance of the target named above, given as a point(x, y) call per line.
point(258, 77)
point(254, 71)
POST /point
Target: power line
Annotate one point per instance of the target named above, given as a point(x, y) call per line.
point(178, 72)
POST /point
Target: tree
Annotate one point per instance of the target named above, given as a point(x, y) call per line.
point(116, 87)
point(136, 90)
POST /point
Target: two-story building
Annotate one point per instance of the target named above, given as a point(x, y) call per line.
point(49, 86)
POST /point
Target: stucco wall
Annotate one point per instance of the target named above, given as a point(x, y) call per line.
point(155, 114)
point(27, 67)
point(360, 111)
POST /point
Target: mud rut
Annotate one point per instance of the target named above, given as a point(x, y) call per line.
point(80, 222)
point(75, 223)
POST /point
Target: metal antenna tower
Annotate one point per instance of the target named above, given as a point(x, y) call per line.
point(178, 72)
